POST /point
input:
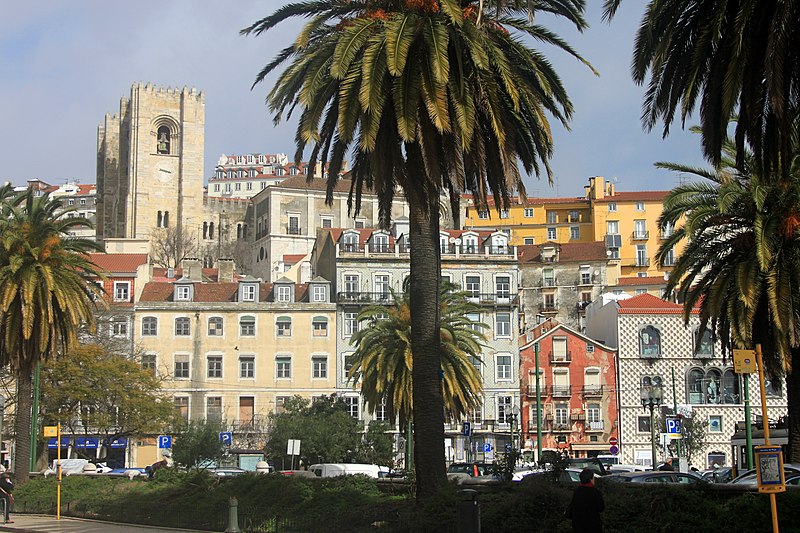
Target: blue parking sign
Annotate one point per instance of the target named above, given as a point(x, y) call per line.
point(674, 428)
point(466, 429)
point(487, 447)
point(226, 437)
point(164, 441)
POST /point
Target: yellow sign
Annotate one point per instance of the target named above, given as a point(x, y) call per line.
point(769, 469)
point(51, 431)
point(744, 362)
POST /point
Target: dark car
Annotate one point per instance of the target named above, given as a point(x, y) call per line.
point(718, 475)
point(656, 476)
point(471, 469)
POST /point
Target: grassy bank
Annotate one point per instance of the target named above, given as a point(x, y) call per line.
point(279, 504)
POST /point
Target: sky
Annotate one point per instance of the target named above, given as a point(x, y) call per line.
point(65, 63)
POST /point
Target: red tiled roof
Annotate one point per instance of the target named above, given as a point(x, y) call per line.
point(317, 184)
point(647, 304)
point(293, 258)
point(160, 291)
point(531, 201)
point(118, 262)
point(634, 281)
point(644, 196)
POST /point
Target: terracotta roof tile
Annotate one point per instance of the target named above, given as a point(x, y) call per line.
point(647, 304)
point(317, 184)
point(644, 196)
point(118, 262)
point(162, 291)
point(293, 258)
point(635, 280)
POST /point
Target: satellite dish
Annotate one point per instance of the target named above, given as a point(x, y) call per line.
point(452, 240)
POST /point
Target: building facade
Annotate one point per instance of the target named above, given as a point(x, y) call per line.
point(577, 391)
point(653, 342)
point(233, 348)
point(366, 265)
point(558, 281)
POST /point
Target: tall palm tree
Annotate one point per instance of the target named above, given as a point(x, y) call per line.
point(432, 97)
point(383, 360)
point(732, 57)
point(44, 296)
point(741, 263)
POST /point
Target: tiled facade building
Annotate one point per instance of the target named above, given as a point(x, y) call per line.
point(652, 340)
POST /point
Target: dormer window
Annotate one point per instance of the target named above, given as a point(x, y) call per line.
point(500, 244)
point(319, 293)
point(183, 293)
point(380, 243)
point(249, 291)
point(350, 242)
point(283, 293)
point(470, 244)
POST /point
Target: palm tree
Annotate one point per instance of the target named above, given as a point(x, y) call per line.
point(44, 297)
point(432, 97)
point(741, 263)
point(732, 57)
point(383, 360)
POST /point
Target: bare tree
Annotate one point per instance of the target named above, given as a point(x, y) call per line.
point(170, 246)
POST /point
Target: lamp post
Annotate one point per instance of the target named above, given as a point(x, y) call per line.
point(652, 394)
point(513, 418)
point(2, 415)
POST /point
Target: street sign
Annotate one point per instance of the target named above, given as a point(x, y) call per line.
point(466, 429)
point(613, 441)
point(226, 438)
point(613, 449)
point(508, 447)
point(165, 441)
point(769, 463)
point(293, 447)
point(744, 362)
point(674, 428)
point(50, 431)
point(487, 447)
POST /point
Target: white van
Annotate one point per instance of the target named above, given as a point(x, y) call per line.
point(346, 469)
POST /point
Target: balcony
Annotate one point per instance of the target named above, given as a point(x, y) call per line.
point(577, 417)
point(642, 262)
point(592, 390)
point(547, 307)
point(548, 282)
point(666, 235)
point(561, 358)
point(293, 230)
point(561, 391)
point(365, 297)
point(640, 235)
point(496, 298)
point(561, 426)
point(530, 390)
point(595, 426)
point(581, 306)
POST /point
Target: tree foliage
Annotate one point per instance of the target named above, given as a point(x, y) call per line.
point(94, 392)
point(383, 360)
point(45, 298)
point(169, 247)
point(197, 444)
point(327, 434)
point(694, 436)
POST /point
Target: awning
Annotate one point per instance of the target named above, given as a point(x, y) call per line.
point(89, 443)
point(51, 443)
point(601, 447)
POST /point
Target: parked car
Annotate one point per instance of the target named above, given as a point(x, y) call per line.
point(592, 463)
point(749, 477)
point(656, 476)
point(344, 469)
point(621, 469)
point(471, 469)
point(793, 480)
point(227, 471)
point(718, 475)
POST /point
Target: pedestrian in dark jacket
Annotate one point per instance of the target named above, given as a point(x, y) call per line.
point(6, 494)
point(586, 505)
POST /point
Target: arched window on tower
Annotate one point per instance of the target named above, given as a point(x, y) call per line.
point(244, 231)
point(238, 232)
point(163, 140)
point(166, 219)
point(159, 220)
point(205, 230)
point(211, 230)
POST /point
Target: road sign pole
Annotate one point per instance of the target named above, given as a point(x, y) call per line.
point(538, 407)
point(748, 425)
point(675, 410)
point(765, 420)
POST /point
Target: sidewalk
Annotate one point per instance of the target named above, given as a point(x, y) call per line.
point(30, 523)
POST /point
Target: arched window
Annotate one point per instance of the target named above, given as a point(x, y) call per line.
point(730, 387)
point(159, 220)
point(163, 142)
point(650, 342)
point(211, 230)
point(166, 219)
point(713, 386)
point(244, 231)
point(350, 242)
point(205, 230)
point(694, 386)
point(238, 232)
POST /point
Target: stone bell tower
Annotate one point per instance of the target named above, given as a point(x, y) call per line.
point(150, 163)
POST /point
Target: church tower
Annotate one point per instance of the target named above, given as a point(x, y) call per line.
point(150, 163)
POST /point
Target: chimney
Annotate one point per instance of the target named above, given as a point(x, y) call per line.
point(597, 188)
point(225, 270)
point(192, 269)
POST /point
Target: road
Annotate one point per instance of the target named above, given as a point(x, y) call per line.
point(43, 523)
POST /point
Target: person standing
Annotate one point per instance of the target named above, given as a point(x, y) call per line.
point(586, 505)
point(6, 494)
point(667, 466)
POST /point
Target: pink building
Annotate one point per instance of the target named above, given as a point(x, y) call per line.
point(578, 390)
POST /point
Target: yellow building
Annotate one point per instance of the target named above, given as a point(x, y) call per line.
point(233, 349)
point(627, 222)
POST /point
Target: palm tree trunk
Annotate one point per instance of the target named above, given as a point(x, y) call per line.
point(428, 406)
point(793, 404)
point(22, 426)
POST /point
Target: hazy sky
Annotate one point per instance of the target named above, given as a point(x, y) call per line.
point(65, 63)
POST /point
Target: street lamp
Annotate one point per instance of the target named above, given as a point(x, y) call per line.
point(514, 418)
point(652, 394)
